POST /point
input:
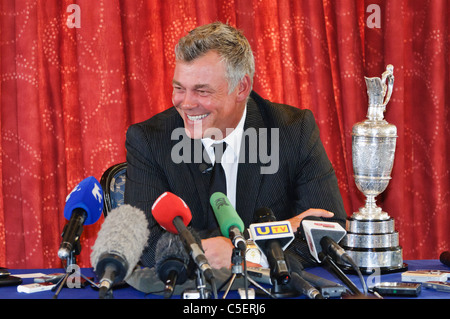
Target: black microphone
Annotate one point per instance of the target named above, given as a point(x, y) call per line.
point(268, 239)
point(172, 214)
point(83, 207)
point(445, 258)
point(330, 247)
point(172, 262)
point(119, 245)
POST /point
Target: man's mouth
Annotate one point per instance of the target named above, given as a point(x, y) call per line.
point(197, 117)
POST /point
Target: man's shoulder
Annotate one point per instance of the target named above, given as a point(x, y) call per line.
point(281, 115)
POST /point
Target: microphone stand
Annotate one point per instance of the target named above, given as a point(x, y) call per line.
point(237, 270)
point(330, 265)
point(201, 286)
point(71, 260)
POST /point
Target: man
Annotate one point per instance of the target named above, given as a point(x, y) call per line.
point(286, 169)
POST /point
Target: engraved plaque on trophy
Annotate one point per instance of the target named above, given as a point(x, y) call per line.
point(371, 240)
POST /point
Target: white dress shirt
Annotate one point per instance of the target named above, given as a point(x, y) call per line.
point(230, 159)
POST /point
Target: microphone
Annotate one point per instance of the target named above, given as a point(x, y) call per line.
point(83, 207)
point(272, 238)
point(322, 236)
point(171, 262)
point(172, 214)
point(445, 258)
point(231, 225)
point(119, 245)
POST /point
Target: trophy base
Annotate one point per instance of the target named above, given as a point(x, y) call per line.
point(373, 245)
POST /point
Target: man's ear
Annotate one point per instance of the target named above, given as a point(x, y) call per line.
point(244, 88)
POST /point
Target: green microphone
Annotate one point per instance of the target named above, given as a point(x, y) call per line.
point(231, 225)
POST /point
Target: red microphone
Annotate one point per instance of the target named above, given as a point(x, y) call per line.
point(172, 213)
point(169, 209)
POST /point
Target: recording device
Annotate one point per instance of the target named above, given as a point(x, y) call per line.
point(119, 245)
point(272, 238)
point(397, 289)
point(52, 278)
point(172, 262)
point(327, 288)
point(437, 285)
point(231, 225)
point(445, 258)
point(172, 214)
point(35, 287)
point(83, 207)
point(424, 275)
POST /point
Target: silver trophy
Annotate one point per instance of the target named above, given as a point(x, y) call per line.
point(371, 239)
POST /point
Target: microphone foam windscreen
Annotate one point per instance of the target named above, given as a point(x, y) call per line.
point(170, 246)
point(167, 207)
point(87, 195)
point(124, 233)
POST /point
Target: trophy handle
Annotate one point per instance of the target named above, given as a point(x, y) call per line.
point(389, 76)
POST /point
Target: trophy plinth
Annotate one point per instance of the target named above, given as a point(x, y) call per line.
point(371, 240)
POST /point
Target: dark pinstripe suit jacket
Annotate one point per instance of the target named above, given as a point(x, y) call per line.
point(304, 179)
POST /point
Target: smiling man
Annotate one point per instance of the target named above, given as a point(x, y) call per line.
point(214, 107)
point(201, 97)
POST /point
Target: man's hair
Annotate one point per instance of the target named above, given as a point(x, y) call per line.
point(227, 41)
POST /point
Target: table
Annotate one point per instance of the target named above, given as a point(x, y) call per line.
point(10, 292)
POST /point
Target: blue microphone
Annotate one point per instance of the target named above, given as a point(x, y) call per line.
point(83, 207)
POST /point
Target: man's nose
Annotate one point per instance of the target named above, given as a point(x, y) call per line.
point(189, 100)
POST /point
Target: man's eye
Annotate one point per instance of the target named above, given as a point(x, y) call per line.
point(202, 92)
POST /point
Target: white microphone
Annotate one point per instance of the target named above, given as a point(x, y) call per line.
point(322, 238)
point(318, 233)
point(119, 245)
point(273, 237)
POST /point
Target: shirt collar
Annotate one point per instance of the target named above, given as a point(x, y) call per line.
point(233, 139)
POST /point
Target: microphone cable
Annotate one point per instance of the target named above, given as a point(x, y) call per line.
point(358, 272)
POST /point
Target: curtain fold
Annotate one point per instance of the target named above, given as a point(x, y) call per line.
point(68, 95)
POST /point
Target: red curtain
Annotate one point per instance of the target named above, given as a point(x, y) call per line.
point(69, 91)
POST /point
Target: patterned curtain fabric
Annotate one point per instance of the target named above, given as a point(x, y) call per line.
point(75, 74)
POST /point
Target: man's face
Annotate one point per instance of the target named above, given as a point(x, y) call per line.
point(200, 95)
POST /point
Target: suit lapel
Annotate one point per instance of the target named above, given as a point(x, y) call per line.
point(249, 174)
point(200, 171)
point(194, 169)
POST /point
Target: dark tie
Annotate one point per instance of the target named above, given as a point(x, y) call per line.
point(218, 181)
